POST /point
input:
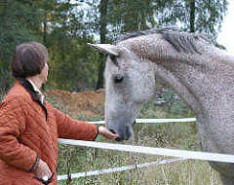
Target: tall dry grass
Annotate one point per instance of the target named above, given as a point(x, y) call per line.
point(171, 135)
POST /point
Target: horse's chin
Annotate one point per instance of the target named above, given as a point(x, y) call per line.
point(128, 133)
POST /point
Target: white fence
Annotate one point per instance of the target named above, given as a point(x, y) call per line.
point(179, 154)
point(117, 169)
point(182, 120)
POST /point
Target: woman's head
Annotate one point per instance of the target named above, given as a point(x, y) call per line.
point(29, 59)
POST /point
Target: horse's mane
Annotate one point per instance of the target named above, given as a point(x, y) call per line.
point(181, 41)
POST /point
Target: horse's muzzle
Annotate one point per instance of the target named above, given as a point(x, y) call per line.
point(118, 138)
point(124, 133)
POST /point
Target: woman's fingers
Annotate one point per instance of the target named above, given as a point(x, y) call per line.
point(106, 133)
point(43, 170)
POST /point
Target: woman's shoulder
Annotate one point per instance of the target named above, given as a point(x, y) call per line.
point(17, 94)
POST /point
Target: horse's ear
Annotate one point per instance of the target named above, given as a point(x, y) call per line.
point(106, 48)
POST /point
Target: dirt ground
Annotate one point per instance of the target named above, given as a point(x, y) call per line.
point(81, 103)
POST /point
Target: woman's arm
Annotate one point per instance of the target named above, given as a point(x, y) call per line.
point(75, 129)
point(12, 124)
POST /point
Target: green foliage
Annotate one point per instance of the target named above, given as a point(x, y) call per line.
point(131, 15)
point(174, 106)
point(208, 15)
point(17, 24)
point(66, 26)
point(72, 63)
point(2, 95)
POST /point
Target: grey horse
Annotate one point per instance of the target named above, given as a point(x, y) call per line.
point(201, 74)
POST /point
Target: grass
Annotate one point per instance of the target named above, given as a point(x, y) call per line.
point(170, 135)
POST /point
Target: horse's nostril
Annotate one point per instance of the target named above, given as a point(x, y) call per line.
point(118, 139)
point(134, 122)
point(113, 131)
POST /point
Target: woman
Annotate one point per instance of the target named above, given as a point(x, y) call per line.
point(30, 126)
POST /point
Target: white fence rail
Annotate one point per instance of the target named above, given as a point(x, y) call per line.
point(117, 169)
point(181, 120)
point(179, 154)
point(205, 156)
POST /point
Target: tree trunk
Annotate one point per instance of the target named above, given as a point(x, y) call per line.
point(45, 28)
point(192, 16)
point(103, 32)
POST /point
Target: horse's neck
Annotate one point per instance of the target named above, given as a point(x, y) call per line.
point(199, 80)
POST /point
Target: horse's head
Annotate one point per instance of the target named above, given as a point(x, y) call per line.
point(129, 83)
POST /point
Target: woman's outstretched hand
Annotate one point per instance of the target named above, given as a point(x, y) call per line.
point(106, 133)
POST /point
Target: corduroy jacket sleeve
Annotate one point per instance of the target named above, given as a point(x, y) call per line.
point(12, 124)
point(74, 129)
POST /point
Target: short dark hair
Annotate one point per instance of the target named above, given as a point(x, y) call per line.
point(29, 59)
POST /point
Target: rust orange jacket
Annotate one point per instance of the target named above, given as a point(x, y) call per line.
point(29, 131)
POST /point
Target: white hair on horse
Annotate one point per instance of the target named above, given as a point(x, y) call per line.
point(200, 73)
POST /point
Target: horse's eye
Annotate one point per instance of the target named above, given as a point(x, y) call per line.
point(112, 57)
point(118, 78)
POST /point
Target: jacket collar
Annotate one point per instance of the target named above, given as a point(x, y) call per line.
point(34, 94)
point(38, 92)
